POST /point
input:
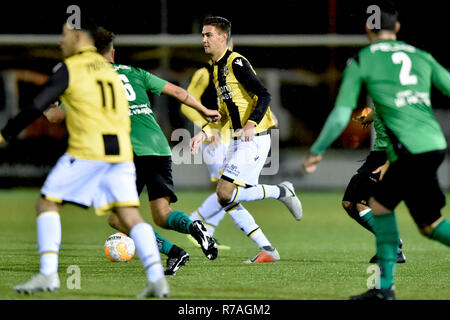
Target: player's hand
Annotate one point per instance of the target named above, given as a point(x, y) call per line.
point(247, 132)
point(211, 115)
point(54, 113)
point(196, 142)
point(310, 162)
point(382, 170)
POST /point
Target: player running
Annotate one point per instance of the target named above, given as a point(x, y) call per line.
point(398, 77)
point(97, 168)
point(361, 185)
point(244, 104)
point(152, 154)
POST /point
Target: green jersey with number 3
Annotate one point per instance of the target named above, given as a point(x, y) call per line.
point(398, 78)
point(147, 138)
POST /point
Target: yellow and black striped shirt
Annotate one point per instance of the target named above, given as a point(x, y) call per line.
point(242, 96)
point(96, 108)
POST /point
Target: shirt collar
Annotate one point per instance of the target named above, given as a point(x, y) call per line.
point(221, 57)
point(87, 48)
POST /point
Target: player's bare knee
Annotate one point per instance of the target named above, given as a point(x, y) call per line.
point(361, 207)
point(129, 216)
point(43, 205)
point(113, 220)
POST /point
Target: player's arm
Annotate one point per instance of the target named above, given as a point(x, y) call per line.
point(440, 77)
point(197, 86)
point(247, 77)
point(55, 86)
point(339, 117)
point(186, 98)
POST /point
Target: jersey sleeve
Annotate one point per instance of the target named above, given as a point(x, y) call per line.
point(350, 86)
point(440, 77)
point(152, 83)
point(196, 88)
point(247, 77)
point(55, 86)
point(345, 104)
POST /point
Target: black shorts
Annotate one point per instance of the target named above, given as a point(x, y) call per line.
point(413, 179)
point(362, 184)
point(155, 172)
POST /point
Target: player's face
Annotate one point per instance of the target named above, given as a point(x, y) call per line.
point(214, 41)
point(68, 41)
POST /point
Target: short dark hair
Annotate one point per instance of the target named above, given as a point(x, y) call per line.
point(87, 24)
point(388, 15)
point(104, 40)
point(220, 23)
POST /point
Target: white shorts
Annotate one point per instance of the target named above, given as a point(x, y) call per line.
point(245, 160)
point(86, 182)
point(214, 157)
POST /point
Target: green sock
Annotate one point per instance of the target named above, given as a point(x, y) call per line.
point(164, 245)
point(387, 239)
point(179, 221)
point(441, 233)
point(366, 219)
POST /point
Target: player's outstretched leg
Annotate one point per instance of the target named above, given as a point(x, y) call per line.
point(283, 192)
point(145, 241)
point(245, 222)
point(211, 214)
point(49, 239)
point(206, 242)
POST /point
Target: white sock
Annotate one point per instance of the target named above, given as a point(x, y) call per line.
point(49, 239)
point(147, 249)
point(210, 212)
point(258, 192)
point(209, 207)
point(245, 221)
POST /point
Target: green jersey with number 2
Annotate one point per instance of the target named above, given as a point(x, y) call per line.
point(398, 78)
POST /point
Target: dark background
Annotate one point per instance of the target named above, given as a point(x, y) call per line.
point(424, 25)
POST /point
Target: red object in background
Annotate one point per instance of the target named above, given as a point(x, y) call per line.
point(355, 134)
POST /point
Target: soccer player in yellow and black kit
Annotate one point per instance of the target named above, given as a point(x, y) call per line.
point(97, 168)
point(244, 102)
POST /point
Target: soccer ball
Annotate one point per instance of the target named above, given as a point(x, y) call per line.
point(119, 247)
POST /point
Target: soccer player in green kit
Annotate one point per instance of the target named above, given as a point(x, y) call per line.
point(398, 78)
point(152, 154)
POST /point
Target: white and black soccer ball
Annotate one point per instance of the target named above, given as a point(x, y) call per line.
point(119, 247)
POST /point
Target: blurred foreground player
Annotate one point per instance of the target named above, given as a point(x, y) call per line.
point(398, 77)
point(97, 168)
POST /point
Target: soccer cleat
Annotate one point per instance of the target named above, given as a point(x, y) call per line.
point(376, 294)
point(158, 289)
point(176, 262)
point(401, 258)
point(265, 256)
point(290, 200)
point(206, 242)
point(39, 282)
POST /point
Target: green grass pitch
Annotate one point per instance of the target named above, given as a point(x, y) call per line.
point(324, 256)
